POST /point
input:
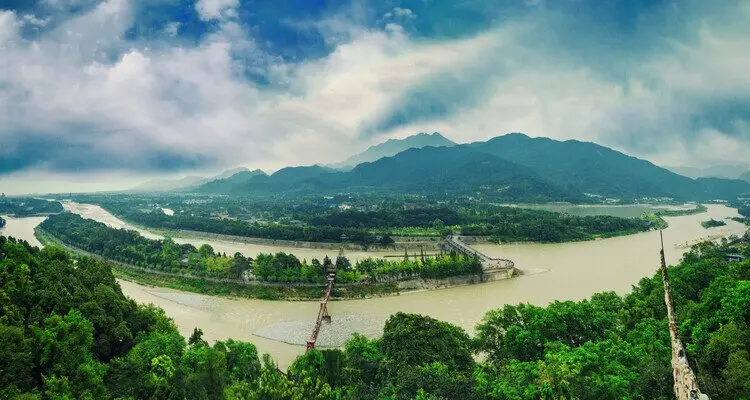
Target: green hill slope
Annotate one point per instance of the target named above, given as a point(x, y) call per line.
point(600, 170)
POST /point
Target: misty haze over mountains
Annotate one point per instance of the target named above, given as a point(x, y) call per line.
point(511, 167)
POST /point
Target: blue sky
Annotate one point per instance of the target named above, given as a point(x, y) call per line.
point(137, 87)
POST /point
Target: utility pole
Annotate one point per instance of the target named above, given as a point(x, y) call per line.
point(685, 383)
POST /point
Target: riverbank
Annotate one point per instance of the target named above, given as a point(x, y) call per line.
point(260, 290)
point(402, 243)
point(408, 242)
point(433, 243)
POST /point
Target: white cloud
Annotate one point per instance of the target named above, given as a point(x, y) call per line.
point(172, 29)
point(403, 13)
point(398, 12)
point(31, 19)
point(216, 9)
point(65, 89)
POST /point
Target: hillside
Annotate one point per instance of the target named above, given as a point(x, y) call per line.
point(392, 147)
point(226, 185)
point(596, 169)
point(746, 176)
point(725, 189)
point(459, 170)
point(512, 167)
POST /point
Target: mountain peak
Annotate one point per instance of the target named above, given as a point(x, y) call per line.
point(391, 147)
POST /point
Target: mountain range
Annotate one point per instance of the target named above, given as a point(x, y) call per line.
point(510, 167)
point(391, 147)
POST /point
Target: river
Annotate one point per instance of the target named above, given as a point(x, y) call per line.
point(22, 228)
point(568, 271)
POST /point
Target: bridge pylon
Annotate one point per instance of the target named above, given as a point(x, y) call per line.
point(323, 314)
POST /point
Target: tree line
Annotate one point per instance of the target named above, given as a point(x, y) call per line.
point(67, 331)
point(326, 234)
point(166, 255)
point(130, 247)
point(438, 267)
point(510, 224)
point(376, 227)
point(28, 206)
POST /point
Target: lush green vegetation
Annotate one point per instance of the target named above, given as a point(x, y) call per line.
point(27, 206)
point(365, 221)
point(307, 233)
point(265, 292)
point(712, 223)
point(132, 248)
point(511, 224)
point(655, 221)
point(439, 267)
point(68, 332)
point(511, 167)
point(699, 208)
point(595, 169)
point(167, 256)
point(456, 170)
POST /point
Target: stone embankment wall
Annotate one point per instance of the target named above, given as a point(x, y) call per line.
point(497, 275)
point(417, 284)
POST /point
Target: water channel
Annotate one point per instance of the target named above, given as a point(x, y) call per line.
point(568, 271)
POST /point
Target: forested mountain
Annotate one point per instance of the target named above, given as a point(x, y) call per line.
point(428, 170)
point(295, 179)
point(299, 174)
point(512, 167)
point(587, 166)
point(600, 170)
point(454, 169)
point(718, 188)
point(391, 147)
point(225, 185)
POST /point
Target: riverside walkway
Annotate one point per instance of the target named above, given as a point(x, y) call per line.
point(492, 268)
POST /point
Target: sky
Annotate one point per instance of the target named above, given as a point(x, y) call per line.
point(102, 94)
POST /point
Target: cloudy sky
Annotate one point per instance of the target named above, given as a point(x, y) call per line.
point(100, 94)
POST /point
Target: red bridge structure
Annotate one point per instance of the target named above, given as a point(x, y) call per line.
point(323, 315)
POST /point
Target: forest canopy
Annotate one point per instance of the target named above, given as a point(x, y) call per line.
point(67, 331)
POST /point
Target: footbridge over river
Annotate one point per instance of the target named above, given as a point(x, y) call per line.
point(492, 268)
